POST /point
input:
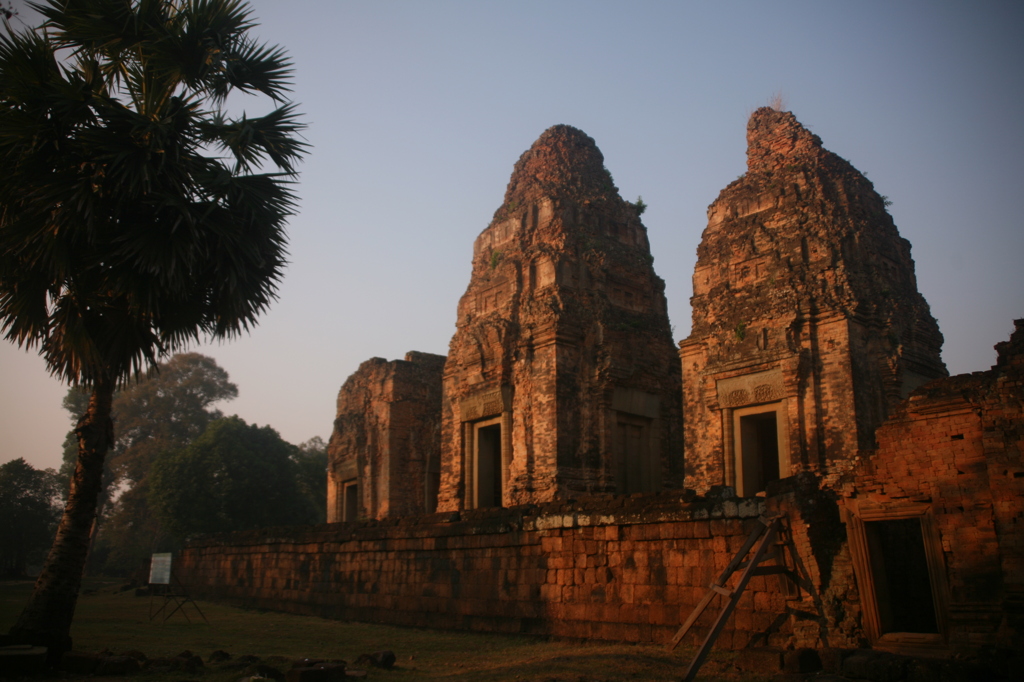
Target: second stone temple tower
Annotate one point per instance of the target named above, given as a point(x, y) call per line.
point(562, 376)
point(807, 324)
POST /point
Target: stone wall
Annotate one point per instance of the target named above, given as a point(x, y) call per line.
point(384, 453)
point(562, 376)
point(808, 328)
point(622, 569)
point(952, 460)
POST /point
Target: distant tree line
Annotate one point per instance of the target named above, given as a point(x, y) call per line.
point(178, 468)
point(30, 505)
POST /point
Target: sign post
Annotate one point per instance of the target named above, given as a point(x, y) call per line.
point(162, 582)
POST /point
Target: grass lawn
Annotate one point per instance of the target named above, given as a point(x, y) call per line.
point(119, 621)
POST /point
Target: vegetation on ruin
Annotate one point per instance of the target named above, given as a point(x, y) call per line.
point(136, 216)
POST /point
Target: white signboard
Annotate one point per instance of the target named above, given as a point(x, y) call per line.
point(160, 569)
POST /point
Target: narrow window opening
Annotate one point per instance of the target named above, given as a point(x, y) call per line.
point(432, 483)
point(899, 568)
point(635, 463)
point(759, 451)
point(957, 436)
point(633, 470)
point(764, 338)
point(488, 466)
point(804, 250)
point(351, 501)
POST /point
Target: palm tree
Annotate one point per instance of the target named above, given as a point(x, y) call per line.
point(135, 215)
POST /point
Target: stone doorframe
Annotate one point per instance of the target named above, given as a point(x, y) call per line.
point(857, 514)
point(487, 408)
point(734, 443)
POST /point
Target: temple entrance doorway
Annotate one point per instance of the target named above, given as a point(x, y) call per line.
point(488, 464)
point(760, 445)
point(350, 492)
point(634, 470)
point(899, 566)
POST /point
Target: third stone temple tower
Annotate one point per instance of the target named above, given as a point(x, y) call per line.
point(807, 324)
point(562, 375)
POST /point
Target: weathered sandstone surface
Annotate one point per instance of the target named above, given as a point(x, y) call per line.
point(805, 305)
point(562, 376)
point(386, 444)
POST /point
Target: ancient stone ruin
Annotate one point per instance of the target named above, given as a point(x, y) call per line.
point(935, 516)
point(551, 440)
point(808, 328)
point(384, 454)
point(561, 377)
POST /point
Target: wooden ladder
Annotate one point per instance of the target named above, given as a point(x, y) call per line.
point(763, 535)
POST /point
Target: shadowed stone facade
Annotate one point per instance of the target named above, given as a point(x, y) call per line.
point(902, 499)
point(808, 328)
point(936, 515)
point(562, 375)
point(384, 453)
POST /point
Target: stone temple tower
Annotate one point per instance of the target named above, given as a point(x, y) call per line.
point(562, 376)
point(807, 324)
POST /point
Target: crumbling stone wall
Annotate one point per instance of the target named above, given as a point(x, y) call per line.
point(953, 456)
point(613, 568)
point(562, 375)
point(387, 439)
point(805, 304)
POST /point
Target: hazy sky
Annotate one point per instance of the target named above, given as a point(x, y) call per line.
point(418, 110)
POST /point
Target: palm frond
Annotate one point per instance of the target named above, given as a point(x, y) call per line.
point(251, 141)
point(121, 237)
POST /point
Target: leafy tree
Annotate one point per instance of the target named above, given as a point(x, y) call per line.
point(29, 507)
point(123, 235)
point(165, 410)
point(235, 476)
point(311, 458)
point(162, 410)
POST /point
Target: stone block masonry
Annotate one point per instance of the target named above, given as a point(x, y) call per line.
point(808, 329)
point(384, 454)
point(950, 468)
point(562, 378)
point(621, 569)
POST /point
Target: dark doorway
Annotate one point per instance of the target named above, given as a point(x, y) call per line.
point(899, 569)
point(432, 483)
point(488, 466)
point(351, 509)
point(759, 448)
point(632, 472)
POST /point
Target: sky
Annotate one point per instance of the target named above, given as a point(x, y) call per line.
point(417, 111)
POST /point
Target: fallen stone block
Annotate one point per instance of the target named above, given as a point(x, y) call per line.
point(801, 661)
point(307, 662)
point(22, 660)
point(335, 670)
point(759, 660)
point(832, 659)
point(110, 666)
point(79, 662)
point(265, 671)
point(378, 659)
point(877, 666)
point(307, 675)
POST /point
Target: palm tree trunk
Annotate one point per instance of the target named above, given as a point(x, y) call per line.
point(46, 619)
